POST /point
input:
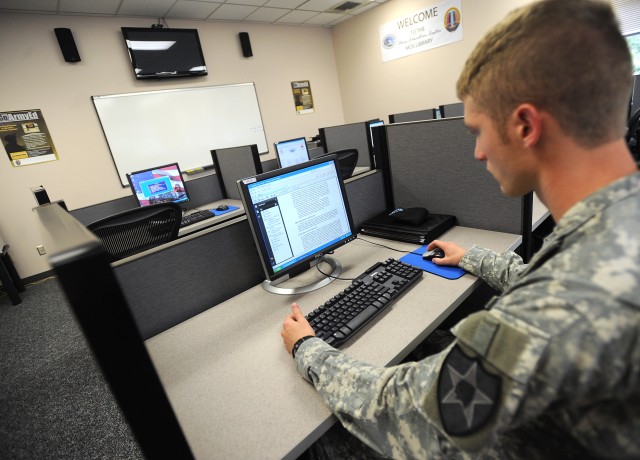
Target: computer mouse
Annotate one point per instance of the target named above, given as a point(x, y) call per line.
point(435, 253)
point(222, 207)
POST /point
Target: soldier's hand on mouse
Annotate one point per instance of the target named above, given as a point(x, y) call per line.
point(452, 252)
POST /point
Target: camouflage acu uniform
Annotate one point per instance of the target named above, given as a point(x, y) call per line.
point(550, 369)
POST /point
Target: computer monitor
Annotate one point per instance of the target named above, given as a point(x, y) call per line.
point(297, 215)
point(372, 124)
point(158, 185)
point(291, 152)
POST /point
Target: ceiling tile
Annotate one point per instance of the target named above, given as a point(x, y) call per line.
point(319, 5)
point(30, 5)
point(192, 10)
point(95, 7)
point(267, 14)
point(285, 3)
point(154, 9)
point(296, 17)
point(247, 2)
point(232, 12)
point(323, 18)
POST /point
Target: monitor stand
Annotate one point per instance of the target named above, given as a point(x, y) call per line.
point(336, 269)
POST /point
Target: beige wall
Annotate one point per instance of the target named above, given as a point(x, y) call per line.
point(350, 83)
point(371, 88)
point(35, 76)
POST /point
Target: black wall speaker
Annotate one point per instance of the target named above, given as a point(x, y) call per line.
point(67, 44)
point(246, 44)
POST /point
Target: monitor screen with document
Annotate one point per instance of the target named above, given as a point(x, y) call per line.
point(297, 216)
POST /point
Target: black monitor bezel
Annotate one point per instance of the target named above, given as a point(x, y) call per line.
point(126, 33)
point(133, 190)
point(275, 146)
point(311, 260)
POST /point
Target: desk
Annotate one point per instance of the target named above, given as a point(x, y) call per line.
point(214, 220)
point(235, 390)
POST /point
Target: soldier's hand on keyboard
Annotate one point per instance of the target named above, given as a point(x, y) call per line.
point(294, 327)
point(452, 252)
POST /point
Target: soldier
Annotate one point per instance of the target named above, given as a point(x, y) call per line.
point(551, 366)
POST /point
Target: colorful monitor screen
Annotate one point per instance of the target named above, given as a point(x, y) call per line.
point(158, 185)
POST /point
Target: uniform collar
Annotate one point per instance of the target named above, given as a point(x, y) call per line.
point(585, 209)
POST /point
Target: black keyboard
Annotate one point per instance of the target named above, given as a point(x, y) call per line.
point(338, 319)
point(197, 216)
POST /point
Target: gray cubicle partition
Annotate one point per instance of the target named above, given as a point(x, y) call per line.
point(431, 164)
point(98, 304)
point(455, 109)
point(418, 115)
point(176, 281)
point(349, 136)
point(233, 164)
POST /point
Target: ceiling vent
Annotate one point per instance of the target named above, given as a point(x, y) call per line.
point(344, 7)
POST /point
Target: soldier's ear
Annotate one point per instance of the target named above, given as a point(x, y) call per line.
point(528, 124)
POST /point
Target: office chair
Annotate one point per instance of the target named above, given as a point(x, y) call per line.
point(347, 161)
point(137, 230)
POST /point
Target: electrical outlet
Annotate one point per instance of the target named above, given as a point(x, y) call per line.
point(41, 250)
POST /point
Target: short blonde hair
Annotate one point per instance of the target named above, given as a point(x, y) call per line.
point(567, 57)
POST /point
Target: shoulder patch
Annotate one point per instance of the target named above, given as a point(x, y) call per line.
point(468, 395)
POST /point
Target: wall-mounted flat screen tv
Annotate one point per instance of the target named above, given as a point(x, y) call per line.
point(164, 53)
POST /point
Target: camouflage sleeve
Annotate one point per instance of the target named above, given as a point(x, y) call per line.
point(499, 270)
point(381, 406)
point(440, 407)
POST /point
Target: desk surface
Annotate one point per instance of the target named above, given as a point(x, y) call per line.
point(215, 220)
point(234, 388)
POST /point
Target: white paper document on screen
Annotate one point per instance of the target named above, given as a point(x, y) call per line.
point(301, 213)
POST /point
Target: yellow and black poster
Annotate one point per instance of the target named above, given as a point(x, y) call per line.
point(25, 137)
point(302, 96)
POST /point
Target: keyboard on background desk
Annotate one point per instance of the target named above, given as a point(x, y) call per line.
point(338, 319)
point(195, 217)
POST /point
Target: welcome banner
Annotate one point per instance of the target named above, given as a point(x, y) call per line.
point(427, 28)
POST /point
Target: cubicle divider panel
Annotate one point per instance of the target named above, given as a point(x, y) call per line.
point(99, 211)
point(431, 164)
point(418, 115)
point(98, 304)
point(455, 109)
point(366, 197)
point(203, 190)
point(175, 282)
point(349, 136)
point(233, 164)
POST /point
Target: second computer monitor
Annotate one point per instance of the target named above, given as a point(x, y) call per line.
point(158, 185)
point(292, 152)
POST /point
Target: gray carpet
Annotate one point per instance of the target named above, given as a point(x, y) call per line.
point(54, 402)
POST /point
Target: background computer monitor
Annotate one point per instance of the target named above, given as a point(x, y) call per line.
point(291, 152)
point(158, 185)
point(297, 216)
point(372, 124)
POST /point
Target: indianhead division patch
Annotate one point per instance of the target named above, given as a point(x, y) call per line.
point(467, 394)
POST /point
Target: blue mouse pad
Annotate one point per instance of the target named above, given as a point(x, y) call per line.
point(450, 273)
point(219, 213)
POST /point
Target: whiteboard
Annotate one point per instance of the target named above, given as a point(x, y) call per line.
point(155, 128)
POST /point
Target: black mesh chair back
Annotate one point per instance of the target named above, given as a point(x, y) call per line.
point(137, 230)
